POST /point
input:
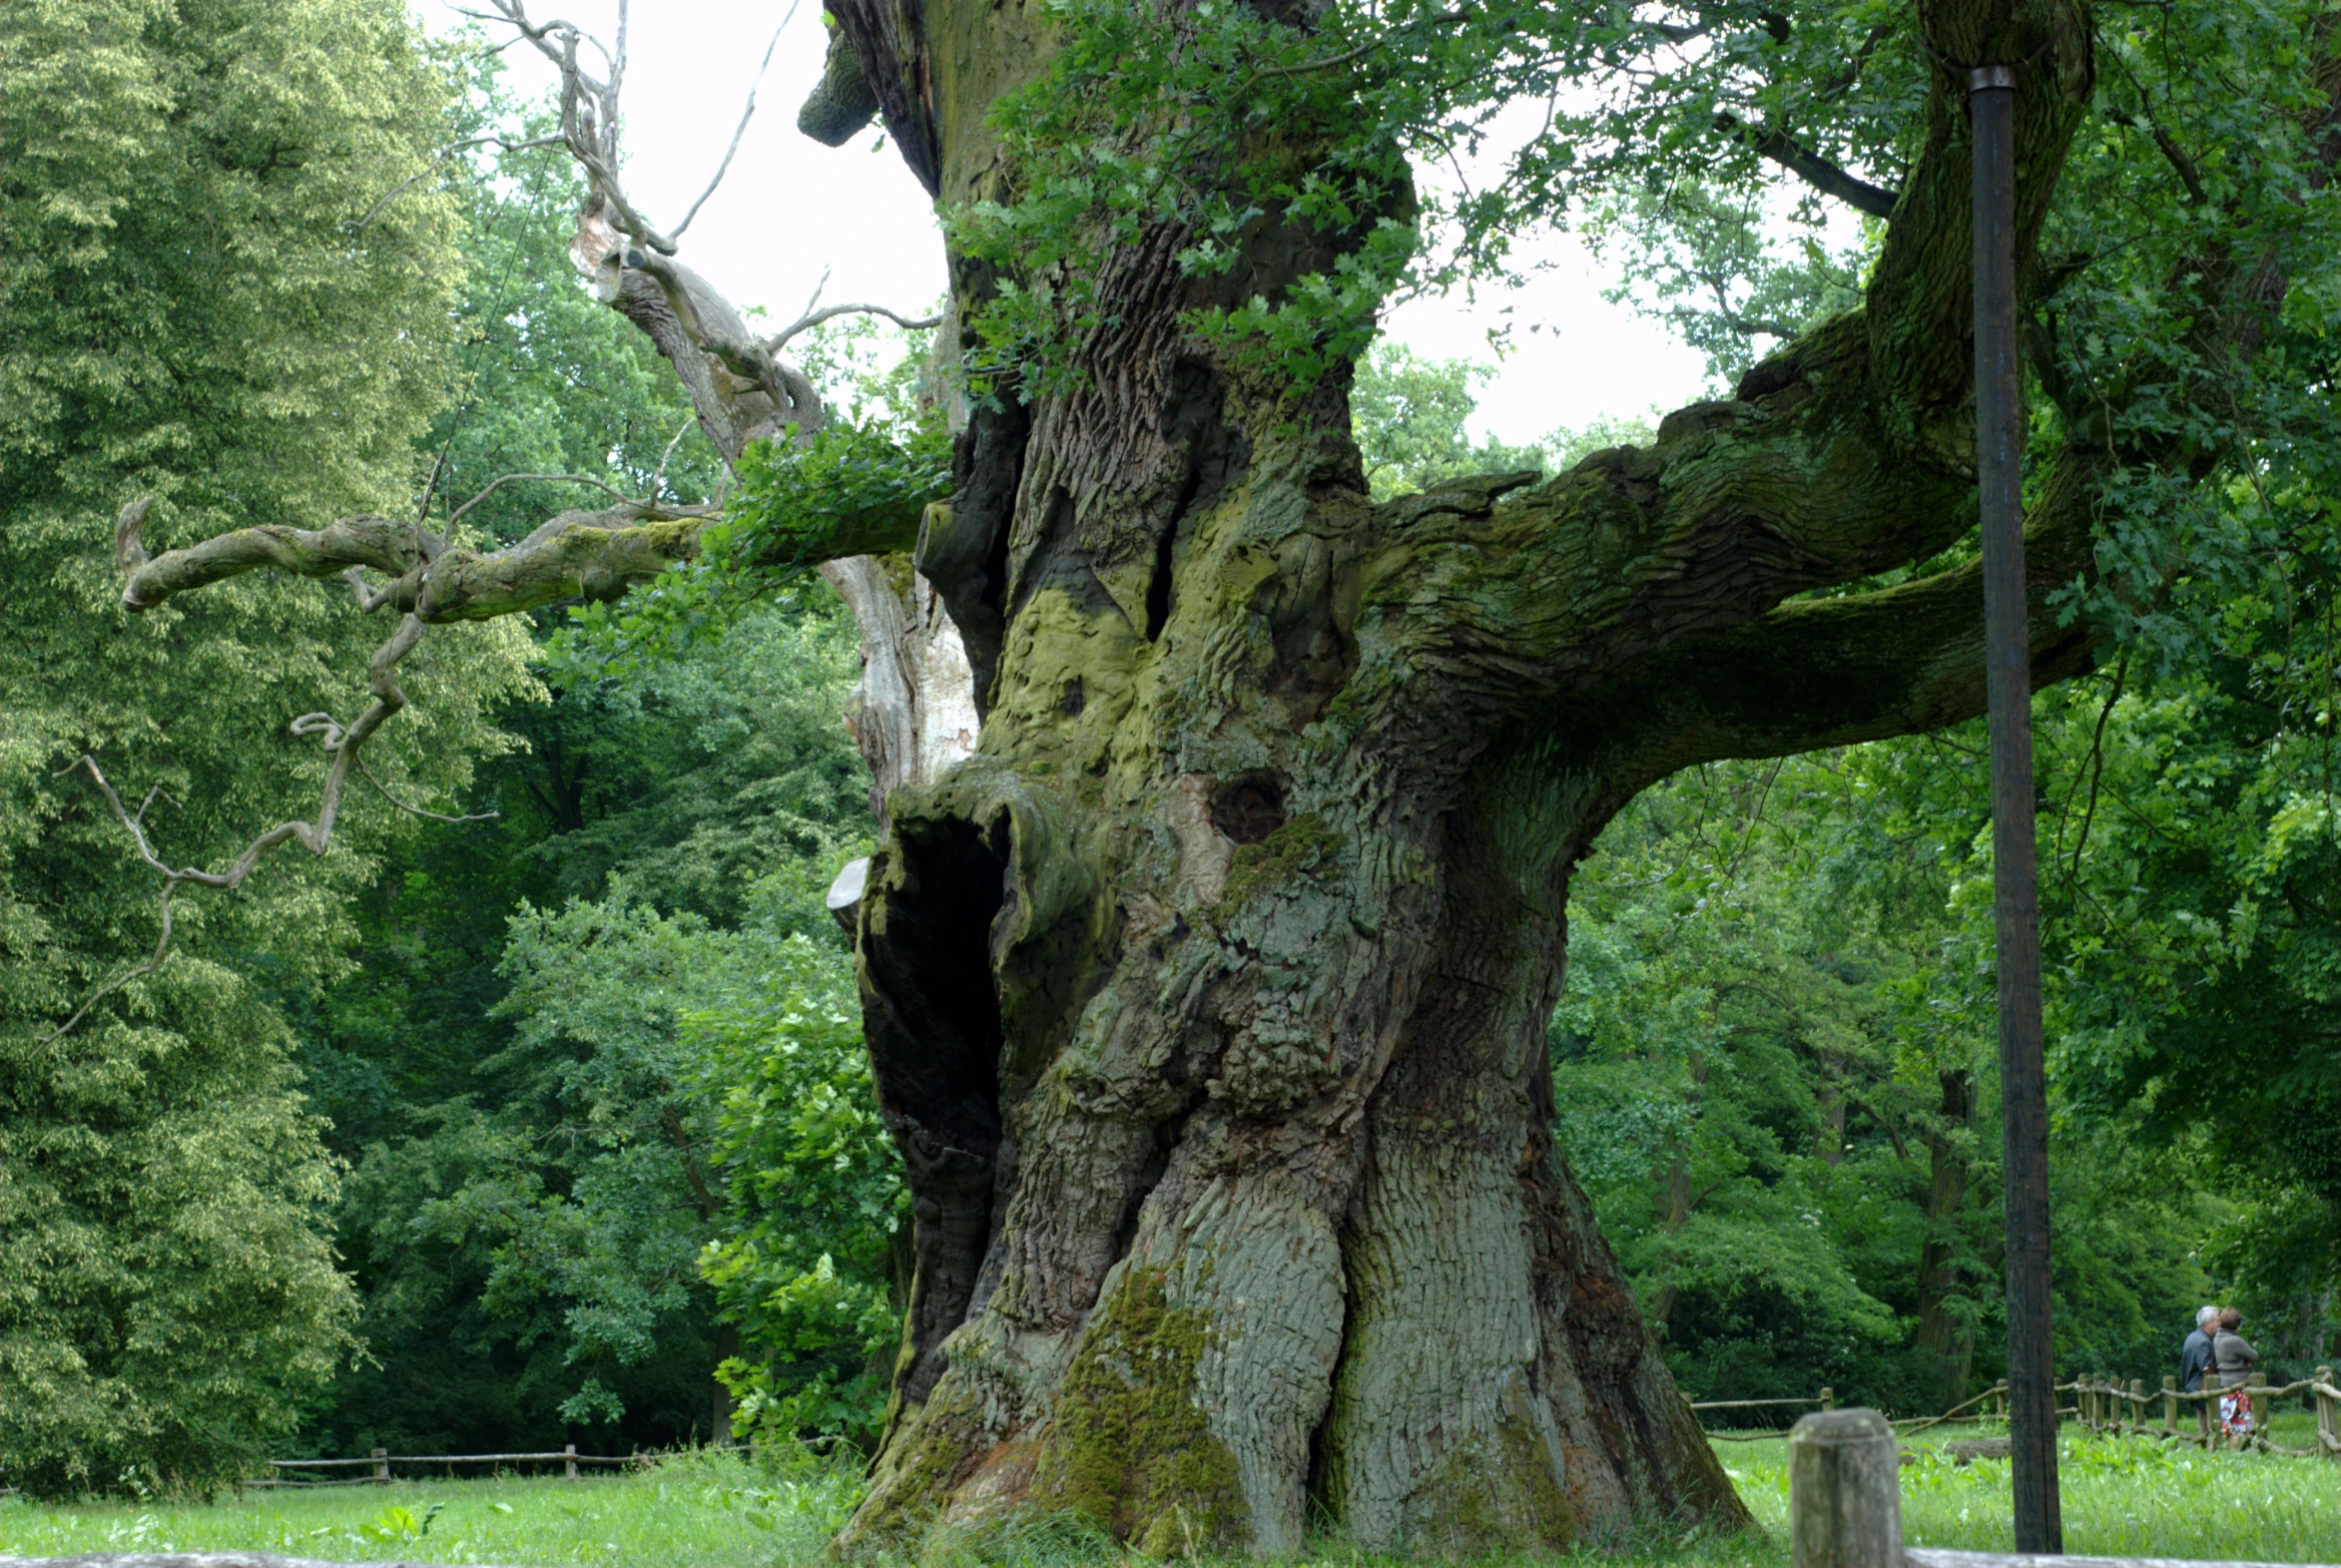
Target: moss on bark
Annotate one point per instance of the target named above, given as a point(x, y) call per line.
point(1131, 1447)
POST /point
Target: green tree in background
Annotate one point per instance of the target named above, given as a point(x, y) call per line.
point(559, 1067)
point(517, 1066)
point(1774, 1060)
point(1409, 414)
point(194, 311)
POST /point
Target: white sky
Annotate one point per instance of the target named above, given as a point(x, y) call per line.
point(791, 209)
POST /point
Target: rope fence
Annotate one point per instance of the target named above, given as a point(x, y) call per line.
point(2100, 1406)
point(2104, 1406)
point(378, 1464)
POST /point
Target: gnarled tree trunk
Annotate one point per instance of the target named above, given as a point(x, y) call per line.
point(1207, 999)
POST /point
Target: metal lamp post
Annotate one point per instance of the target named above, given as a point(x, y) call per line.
point(2024, 1094)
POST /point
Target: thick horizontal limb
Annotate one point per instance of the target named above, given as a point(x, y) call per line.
point(577, 555)
point(1818, 673)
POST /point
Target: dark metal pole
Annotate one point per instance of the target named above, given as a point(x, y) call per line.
point(2024, 1088)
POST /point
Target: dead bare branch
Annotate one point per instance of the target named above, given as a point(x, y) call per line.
point(658, 478)
point(575, 555)
point(742, 129)
point(315, 835)
point(426, 814)
point(812, 319)
point(129, 553)
point(590, 117)
point(503, 143)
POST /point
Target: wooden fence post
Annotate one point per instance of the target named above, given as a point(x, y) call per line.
point(570, 1449)
point(1844, 1492)
point(2135, 1412)
point(381, 1465)
point(2258, 1395)
point(2170, 1405)
point(2328, 1415)
point(1828, 1398)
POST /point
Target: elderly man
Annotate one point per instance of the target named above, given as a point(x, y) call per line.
point(2194, 1358)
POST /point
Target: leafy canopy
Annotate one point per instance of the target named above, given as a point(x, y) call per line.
point(192, 310)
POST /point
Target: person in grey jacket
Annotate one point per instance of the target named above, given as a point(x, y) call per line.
point(2231, 1352)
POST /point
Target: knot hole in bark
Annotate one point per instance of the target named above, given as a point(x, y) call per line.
point(1248, 810)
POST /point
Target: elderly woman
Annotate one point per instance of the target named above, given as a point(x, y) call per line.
point(2235, 1358)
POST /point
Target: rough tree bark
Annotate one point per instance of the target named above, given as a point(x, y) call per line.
point(1206, 999)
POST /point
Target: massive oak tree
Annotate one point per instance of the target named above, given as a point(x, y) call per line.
point(1205, 998)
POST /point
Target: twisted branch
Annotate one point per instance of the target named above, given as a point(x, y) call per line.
point(741, 130)
point(812, 319)
point(741, 392)
point(503, 143)
point(315, 835)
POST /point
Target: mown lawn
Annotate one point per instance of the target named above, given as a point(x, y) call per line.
point(704, 1510)
point(2122, 1497)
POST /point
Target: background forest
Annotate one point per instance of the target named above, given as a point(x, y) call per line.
point(554, 1125)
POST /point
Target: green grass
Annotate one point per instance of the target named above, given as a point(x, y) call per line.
point(2122, 1497)
point(693, 1511)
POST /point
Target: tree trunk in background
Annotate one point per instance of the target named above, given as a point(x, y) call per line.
point(913, 714)
point(1675, 1198)
point(1949, 1337)
point(1828, 1141)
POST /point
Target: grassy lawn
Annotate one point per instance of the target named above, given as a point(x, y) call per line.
point(2122, 1497)
point(692, 1511)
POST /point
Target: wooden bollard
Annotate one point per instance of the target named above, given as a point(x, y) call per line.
point(1844, 1492)
point(570, 1449)
point(381, 1458)
point(2328, 1415)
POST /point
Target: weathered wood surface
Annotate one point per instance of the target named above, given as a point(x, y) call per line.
point(1845, 1497)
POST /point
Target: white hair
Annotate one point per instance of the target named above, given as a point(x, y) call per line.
point(2206, 1316)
